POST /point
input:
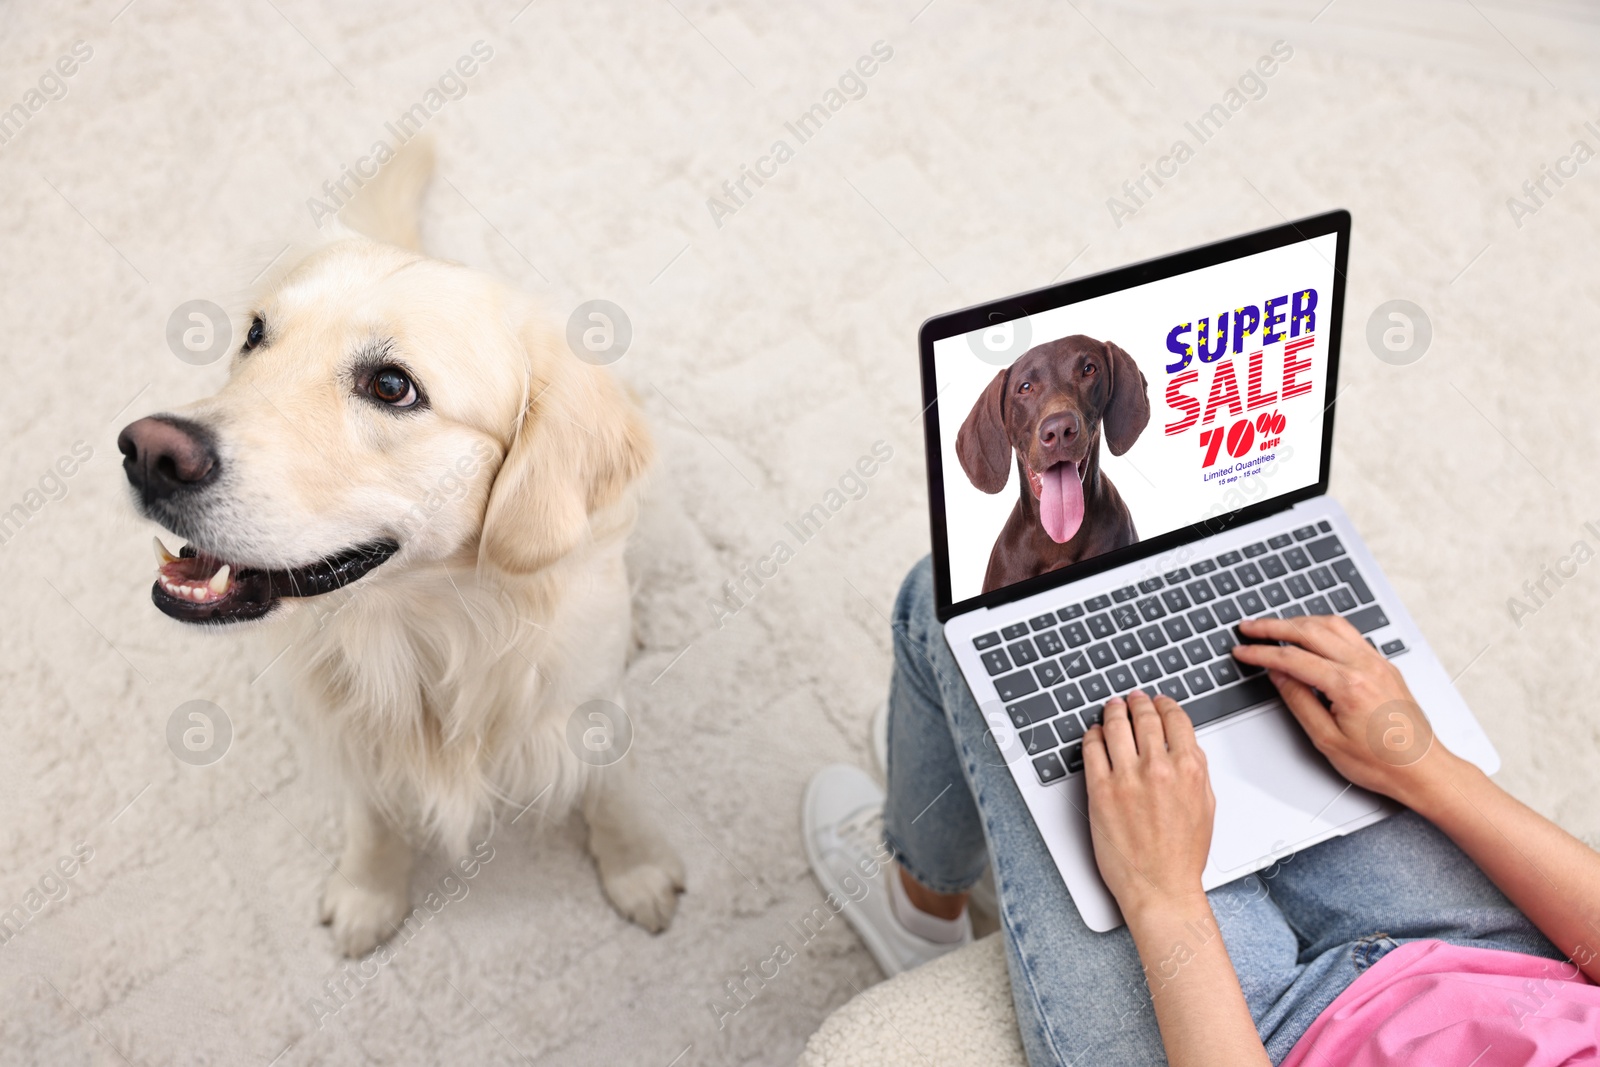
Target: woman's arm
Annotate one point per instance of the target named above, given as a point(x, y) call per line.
point(1150, 811)
point(1373, 733)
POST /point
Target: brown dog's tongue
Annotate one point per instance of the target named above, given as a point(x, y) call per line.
point(1061, 501)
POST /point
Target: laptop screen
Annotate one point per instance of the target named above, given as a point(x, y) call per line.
point(1121, 415)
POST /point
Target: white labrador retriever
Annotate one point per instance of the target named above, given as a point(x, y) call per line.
point(421, 428)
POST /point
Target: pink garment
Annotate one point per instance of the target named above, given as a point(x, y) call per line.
point(1427, 1002)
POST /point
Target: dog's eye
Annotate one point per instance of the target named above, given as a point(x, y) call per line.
point(1025, 387)
point(1088, 369)
point(394, 387)
point(258, 333)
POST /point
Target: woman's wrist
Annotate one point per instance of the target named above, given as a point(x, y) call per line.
point(1432, 786)
point(1158, 909)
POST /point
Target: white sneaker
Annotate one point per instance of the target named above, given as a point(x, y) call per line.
point(983, 893)
point(842, 823)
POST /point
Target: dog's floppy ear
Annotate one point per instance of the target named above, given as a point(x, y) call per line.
point(981, 443)
point(579, 444)
point(1129, 411)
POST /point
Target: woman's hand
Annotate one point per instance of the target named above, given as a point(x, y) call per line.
point(1371, 728)
point(1150, 809)
point(1150, 803)
point(1372, 731)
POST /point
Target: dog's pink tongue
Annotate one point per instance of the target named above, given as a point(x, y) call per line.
point(1061, 502)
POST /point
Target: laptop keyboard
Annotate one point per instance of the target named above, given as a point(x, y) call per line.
point(1169, 635)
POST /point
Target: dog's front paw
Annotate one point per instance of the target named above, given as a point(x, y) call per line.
point(361, 918)
point(647, 892)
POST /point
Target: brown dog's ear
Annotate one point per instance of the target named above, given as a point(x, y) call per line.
point(580, 443)
point(981, 443)
point(1129, 411)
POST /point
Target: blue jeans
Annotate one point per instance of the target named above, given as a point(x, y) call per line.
point(1298, 933)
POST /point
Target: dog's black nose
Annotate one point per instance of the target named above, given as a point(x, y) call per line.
point(1058, 429)
point(163, 454)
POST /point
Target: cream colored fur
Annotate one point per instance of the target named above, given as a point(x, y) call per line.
point(439, 687)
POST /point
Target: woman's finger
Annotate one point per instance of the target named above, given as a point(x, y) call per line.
point(1316, 720)
point(1308, 667)
point(1148, 732)
point(1119, 733)
point(1096, 763)
point(1324, 635)
point(1178, 725)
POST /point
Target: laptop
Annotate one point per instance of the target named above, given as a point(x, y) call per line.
point(1121, 468)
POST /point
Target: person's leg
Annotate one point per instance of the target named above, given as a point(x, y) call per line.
point(1401, 877)
point(1080, 996)
point(929, 817)
point(1352, 899)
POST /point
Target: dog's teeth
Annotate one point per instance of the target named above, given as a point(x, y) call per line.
point(163, 557)
point(219, 580)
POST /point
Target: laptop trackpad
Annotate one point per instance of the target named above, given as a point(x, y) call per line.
point(1275, 793)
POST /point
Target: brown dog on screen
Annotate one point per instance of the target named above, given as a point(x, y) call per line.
point(1048, 408)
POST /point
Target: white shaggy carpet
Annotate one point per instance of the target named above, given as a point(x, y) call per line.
point(771, 351)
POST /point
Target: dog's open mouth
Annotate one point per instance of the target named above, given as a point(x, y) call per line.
point(1059, 491)
point(195, 587)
